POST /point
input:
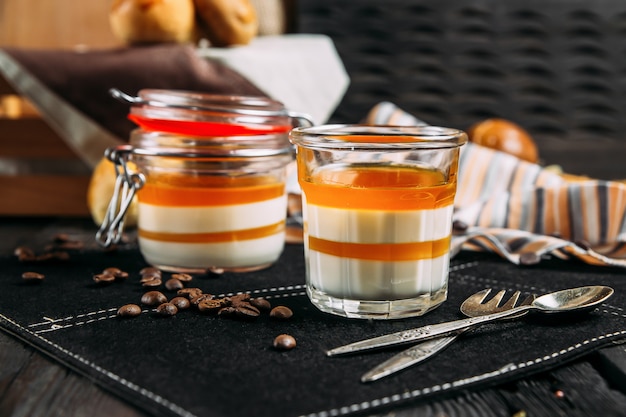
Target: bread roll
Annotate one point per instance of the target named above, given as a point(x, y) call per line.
point(152, 21)
point(227, 22)
point(505, 136)
point(100, 191)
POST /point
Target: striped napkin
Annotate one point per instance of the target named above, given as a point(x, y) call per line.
point(524, 212)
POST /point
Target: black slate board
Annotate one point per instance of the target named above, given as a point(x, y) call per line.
point(194, 365)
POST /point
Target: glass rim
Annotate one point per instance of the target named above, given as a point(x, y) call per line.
point(377, 137)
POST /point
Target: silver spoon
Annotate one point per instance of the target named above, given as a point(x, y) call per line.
point(574, 299)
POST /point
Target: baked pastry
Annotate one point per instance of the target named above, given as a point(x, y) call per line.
point(504, 136)
point(227, 22)
point(100, 191)
point(152, 21)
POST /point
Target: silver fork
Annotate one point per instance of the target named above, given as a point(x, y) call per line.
point(473, 306)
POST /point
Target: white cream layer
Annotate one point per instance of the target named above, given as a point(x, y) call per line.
point(214, 219)
point(240, 254)
point(373, 226)
point(358, 279)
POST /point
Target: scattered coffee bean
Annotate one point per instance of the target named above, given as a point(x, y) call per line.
point(166, 310)
point(284, 342)
point(116, 272)
point(150, 270)
point(129, 310)
point(190, 293)
point(261, 303)
point(173, 284)
point(202, 297)
point(153, 298)
point(149, 277)
point(24, 253)
point(247, 311)
point(281, 313)
point(210, 305)
point(33, 277)
point(103, 278)
point(182, 277)
point(238, 299)
point(153, 283)
point(181, 302)
point(214, 271)
point(227, 312)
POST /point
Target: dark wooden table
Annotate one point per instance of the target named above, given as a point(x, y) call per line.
point(33, 385)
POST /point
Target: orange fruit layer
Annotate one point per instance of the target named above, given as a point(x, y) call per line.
point(215, 237)
point(386, 252)
point(378, 188)
point(188, 191)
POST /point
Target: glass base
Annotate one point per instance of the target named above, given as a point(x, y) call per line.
point(377, 310)
point(213, 269)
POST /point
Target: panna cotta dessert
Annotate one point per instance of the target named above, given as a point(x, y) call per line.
point(389, 243)
point(194, 223)
point(377, 210)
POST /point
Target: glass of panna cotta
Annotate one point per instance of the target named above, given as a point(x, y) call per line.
point(377, 209)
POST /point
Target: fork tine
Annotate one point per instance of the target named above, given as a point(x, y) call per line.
point(495, 301)
point(511, 302)
point(480, 296)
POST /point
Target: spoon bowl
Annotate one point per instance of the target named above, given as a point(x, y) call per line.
point(579, 299)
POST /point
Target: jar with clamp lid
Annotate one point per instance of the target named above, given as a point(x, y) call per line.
point(205, 202)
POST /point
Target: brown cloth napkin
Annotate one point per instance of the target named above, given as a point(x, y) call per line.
point(83, 79)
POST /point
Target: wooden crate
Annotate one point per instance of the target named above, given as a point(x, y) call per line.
point(39, 174)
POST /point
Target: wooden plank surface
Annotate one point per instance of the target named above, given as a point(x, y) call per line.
point(33, 138)
point(44, 195)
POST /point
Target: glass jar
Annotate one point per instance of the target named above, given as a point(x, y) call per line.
point(209, 181)
point(377, 208)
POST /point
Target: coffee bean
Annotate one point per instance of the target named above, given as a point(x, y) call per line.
point(210, 305)
point(61, 237)
point(155, 282)
point(103, 278)
point(33, 277)
point(182, 277)
point(129, 310)
point(116, 272)
point(173, 284)
point(238, 299)
point(281, 313)
point(166, 310)
point(189, 292)
point(214, 271)
point(24, 254)
point(202, 297)
point(227, 312)
point(150, 270)
point(153, 298)
point(284, 342)
point(181, 302)
point(149, 277)
point(261, 303)
point(247, 311)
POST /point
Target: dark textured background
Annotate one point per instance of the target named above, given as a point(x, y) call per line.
point(557, 68)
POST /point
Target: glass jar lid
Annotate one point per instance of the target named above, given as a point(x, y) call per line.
point(199, 114)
